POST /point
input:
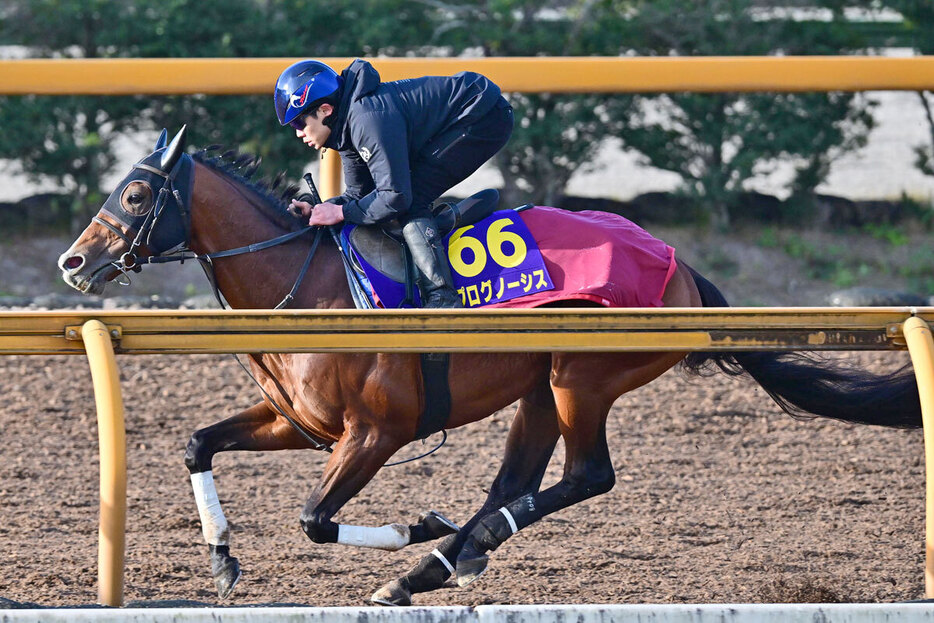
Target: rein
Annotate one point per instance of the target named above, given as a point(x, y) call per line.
point(182, 252)
point(206, 260)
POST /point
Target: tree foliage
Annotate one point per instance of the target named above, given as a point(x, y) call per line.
point(919, 17)
point(555, 135)
point(717, 143)
point(70, 140)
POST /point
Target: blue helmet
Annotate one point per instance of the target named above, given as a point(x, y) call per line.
point(302, 85)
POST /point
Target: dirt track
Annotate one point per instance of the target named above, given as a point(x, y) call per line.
point(719, 498)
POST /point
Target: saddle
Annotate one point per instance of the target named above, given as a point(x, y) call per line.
point(382, 247)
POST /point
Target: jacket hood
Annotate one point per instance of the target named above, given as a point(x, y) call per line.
point(359, 79)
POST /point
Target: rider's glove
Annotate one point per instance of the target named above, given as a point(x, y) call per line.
point(307, 198)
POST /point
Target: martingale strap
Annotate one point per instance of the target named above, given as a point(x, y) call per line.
point(207, 263)
point(301, 274)
point(316, 442)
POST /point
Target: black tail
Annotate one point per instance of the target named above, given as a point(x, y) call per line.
point(803, 384)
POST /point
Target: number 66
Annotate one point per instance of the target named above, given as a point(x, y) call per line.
point(495, 239)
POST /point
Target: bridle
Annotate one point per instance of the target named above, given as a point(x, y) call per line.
point(130, 260)
point(175, 246)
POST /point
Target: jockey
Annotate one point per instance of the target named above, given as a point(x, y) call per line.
point(402, 145)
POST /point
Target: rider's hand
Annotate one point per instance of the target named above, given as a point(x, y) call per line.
point(326, 214)
point(300, 208)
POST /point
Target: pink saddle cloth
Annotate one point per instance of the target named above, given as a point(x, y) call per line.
point(599, 257)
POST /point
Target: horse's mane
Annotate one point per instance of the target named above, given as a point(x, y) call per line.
point(241, 168)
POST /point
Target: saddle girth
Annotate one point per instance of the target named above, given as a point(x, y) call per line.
point(437, 392)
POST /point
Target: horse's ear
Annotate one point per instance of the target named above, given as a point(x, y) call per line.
point(174, 150)
point(163, 139)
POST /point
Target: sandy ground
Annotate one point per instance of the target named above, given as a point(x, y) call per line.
point(720, 498)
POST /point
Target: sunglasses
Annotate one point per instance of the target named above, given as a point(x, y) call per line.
point(298, 122)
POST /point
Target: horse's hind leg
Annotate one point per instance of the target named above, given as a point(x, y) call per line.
point(584, 386)
point(529, 447)
point(257, 428)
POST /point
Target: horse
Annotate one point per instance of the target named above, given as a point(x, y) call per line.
point(364, 407)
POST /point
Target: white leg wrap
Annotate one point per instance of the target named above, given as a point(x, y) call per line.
point(213, 523)
point(392, 537)
point(509, 519)
point(444, 561)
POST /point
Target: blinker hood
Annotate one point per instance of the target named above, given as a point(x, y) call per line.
point(167, 223)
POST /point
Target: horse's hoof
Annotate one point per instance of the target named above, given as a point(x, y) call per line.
point(437, 525)
point(470, 570)
point(393, 594)
point(227, 580)
point(226, 572)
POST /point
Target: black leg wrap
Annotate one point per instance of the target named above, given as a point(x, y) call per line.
point(428, 575)
point(431, 573)
point(432, 526)
point(523, 511)
point(495, 528)
point(491, 532)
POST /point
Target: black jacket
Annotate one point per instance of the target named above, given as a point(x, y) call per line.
point(381, 127)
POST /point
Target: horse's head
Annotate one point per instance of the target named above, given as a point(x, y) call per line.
point(147, 214)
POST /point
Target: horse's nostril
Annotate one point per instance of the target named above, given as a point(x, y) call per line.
point(73, 262)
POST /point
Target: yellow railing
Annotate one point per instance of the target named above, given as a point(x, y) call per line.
point(77, 332)
point(102, 334)
point(592, 74)
point(476, 330)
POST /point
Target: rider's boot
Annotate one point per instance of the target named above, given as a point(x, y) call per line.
point(431, 263)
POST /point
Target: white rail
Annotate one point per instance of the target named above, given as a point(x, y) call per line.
point(708, 613)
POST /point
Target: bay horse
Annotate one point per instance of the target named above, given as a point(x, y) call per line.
point(174, 205)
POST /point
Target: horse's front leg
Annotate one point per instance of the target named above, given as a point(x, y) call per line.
point(529, 447)
point(257, 428)
point(357, 456)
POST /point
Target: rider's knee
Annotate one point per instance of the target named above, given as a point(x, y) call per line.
point(318, 529)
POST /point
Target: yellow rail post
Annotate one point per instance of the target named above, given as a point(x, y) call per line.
point(111, 433)
point(921, 347)
point(330, 174)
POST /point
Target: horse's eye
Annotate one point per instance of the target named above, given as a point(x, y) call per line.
point(136, 198)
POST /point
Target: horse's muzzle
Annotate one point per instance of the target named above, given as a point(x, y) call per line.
point(73, 267)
